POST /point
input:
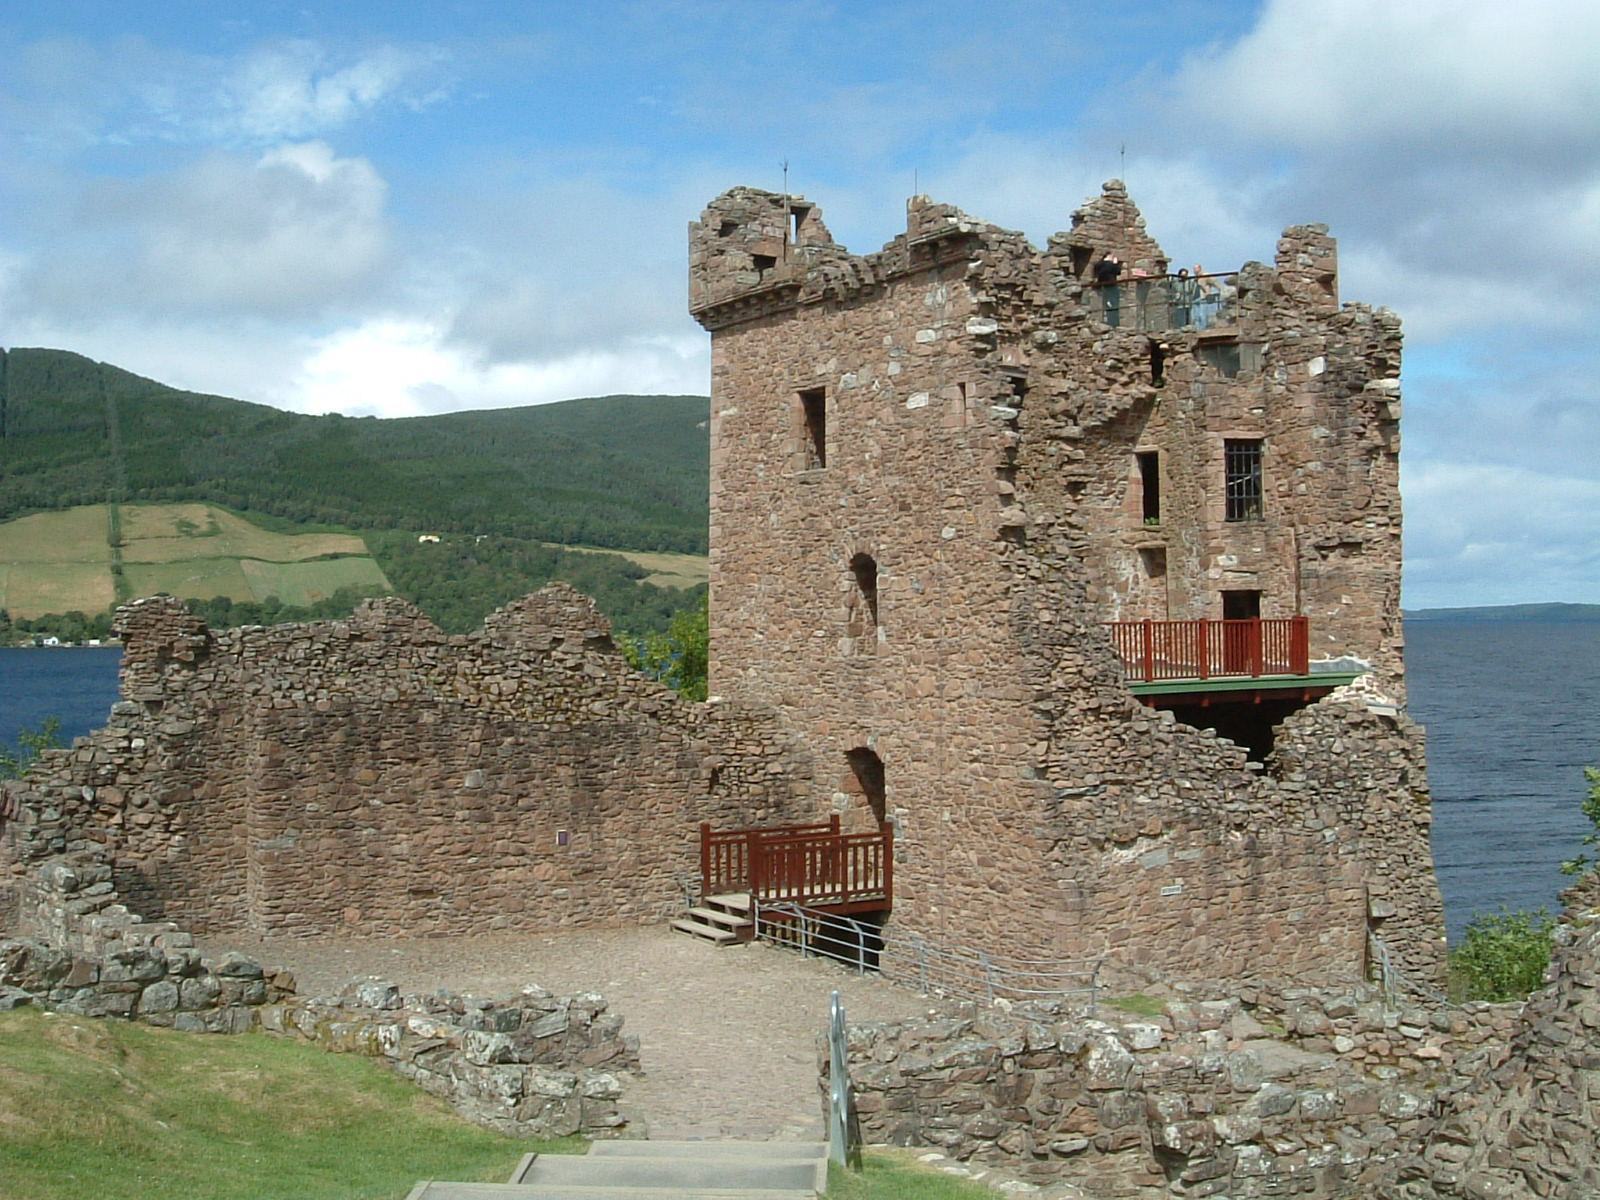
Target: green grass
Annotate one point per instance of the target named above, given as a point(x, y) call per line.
point(90, 1109)
point(1138, 1004)
point(897, 1175)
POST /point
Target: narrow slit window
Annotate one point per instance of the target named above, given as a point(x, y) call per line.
point(814, 418)
point(1150, 485)
point(1242, 479)
point(865, 569)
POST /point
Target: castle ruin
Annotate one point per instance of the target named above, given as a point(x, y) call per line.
point(964, 494)
point(1082, 584)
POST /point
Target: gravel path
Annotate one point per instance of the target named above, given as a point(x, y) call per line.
point(727, 1038)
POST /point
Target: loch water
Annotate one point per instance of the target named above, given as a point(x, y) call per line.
point(1512, 711)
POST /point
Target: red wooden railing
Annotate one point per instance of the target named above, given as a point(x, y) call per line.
point(1204, 649)
point(726, 855)
point(807, 864)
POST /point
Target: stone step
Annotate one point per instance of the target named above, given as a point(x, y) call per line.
point(710, 933)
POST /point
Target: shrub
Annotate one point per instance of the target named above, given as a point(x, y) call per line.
point(1503, 955)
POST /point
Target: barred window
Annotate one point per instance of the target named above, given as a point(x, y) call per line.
point(1241, 465)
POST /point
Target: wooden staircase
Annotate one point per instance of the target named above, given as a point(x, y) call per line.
point(817, 866)
point(723, 920)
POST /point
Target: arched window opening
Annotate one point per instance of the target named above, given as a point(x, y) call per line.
point(866, 771)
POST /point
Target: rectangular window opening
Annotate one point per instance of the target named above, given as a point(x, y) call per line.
point(814, 415)
point(1150, 485)
point(1241, 465)
point(1225, 357)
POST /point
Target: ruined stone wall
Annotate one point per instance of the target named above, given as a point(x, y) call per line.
point(376, 775)
point(1294, 1093)
point(1524, 1124)
point(949, 408)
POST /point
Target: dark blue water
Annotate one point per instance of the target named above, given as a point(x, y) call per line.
point(1512, 710)
point(77, 685)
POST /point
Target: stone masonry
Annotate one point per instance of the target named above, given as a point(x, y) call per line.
point(940, 468)
point(1261, 1091)
point(377, 775)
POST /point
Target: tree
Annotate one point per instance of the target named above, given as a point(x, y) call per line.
point(33, 742)
point(1591, 809)
point(680, 657)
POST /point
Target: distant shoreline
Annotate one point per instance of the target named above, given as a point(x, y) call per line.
point(1507, 612)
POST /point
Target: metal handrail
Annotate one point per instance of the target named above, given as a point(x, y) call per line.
point(1156, 303)
point(926, 966)
point(1393, 981)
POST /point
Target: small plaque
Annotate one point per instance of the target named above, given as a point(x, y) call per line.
point(1172, 889)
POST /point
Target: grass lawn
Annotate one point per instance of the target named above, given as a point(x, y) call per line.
point(90, 1109)
point(897, 1175)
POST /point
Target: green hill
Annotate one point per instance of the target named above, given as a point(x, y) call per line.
point(113, 486)
point(626, 472)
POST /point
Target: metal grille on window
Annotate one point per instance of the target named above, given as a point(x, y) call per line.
point(1242, 478)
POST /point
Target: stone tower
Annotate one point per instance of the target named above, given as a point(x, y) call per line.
point(968, 498)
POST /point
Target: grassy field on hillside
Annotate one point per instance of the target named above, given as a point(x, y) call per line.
point(62, 561)
point(90, 1109)
point(171, 532)
point(670, 570)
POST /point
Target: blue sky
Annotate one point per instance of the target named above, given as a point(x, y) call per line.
point(399, 208)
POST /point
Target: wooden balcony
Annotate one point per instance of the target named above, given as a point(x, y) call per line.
point(1153, 651)
point(813, 865)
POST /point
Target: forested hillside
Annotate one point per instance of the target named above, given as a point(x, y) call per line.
point(619, 471)
point(108, 482)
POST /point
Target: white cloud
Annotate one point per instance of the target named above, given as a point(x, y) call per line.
point(297, 89)
point(405, 366)
point(1482, 533)
point(1487, 77)
point(296, 228)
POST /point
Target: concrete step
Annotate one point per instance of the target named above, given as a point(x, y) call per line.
point(710, 933)
point(436, 1189)
point(744, 1174)
point(665, 1170)
point(708, 1150)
